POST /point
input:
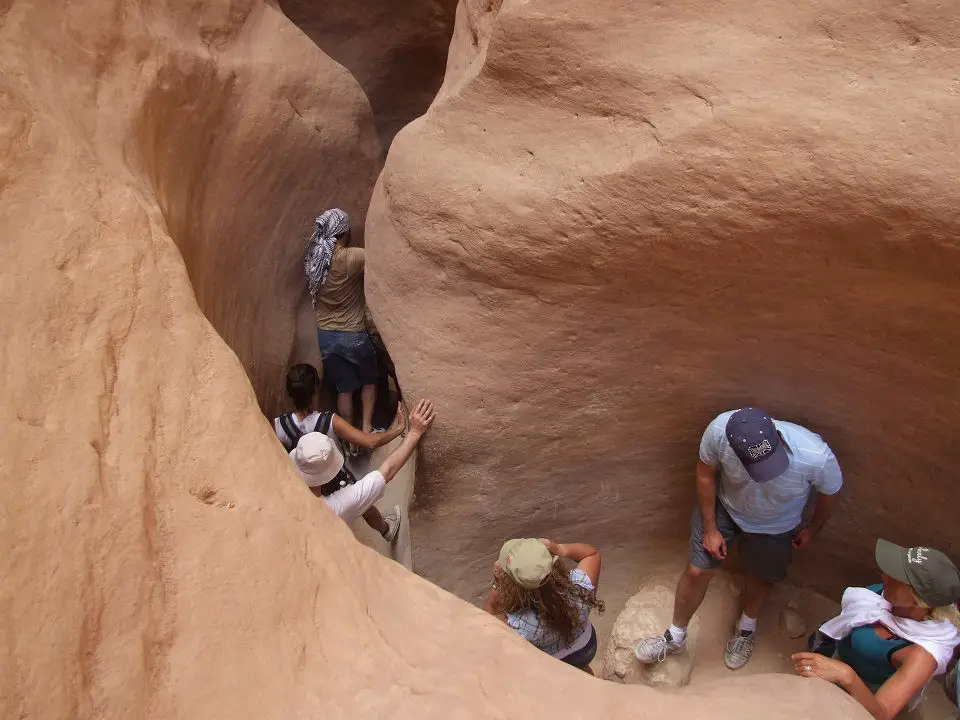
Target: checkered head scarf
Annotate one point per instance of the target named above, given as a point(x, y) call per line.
point(319, 255)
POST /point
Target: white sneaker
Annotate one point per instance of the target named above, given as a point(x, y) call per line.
point(739, 650)
point(393, 520)
point(655, 649)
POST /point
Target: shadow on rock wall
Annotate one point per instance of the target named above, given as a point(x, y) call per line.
point(242, 152)
point(397, 54)
point(604, 239)
point(160, 556)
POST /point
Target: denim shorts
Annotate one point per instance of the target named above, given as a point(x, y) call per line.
point(766, 557)
point(349, 359)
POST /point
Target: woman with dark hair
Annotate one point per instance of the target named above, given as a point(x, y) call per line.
point(890, 639)
point(545, 602)
point(303, 386)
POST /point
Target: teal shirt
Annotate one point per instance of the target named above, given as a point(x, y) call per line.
point(869, 654)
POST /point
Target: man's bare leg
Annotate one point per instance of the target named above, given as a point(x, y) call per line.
point(740, 647)
point(368, 398)
point(691, 589)
point(374, 519)
point(755, 593)
point(345, 406)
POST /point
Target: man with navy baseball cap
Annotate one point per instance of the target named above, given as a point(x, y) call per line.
point(754, 479)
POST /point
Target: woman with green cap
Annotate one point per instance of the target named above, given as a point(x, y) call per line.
point(545, 602)
point(890, 639)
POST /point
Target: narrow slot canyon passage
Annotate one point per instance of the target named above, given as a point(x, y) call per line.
point(589, 229)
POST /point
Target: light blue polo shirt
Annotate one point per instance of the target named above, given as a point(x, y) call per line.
point(773, 507)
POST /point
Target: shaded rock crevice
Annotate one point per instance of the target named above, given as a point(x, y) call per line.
point(397, 55)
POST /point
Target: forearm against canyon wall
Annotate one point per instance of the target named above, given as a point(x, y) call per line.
point(627, 220)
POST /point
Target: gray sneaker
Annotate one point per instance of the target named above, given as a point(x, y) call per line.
point(739, 650)
point(655, 649)
point(393, 519)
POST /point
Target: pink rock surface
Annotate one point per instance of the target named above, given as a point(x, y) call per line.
point(160, 556)
point(619, 220)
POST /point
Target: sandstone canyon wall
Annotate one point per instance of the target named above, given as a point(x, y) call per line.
point(620, 219)
point(242, 132)
point(396, 52)
point(160, 557)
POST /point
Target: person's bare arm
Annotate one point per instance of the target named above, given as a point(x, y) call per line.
point(348, 433)
point(825, 506)
point(586, 556)
point(420, 420)
point(713, 541)
point(916, 668)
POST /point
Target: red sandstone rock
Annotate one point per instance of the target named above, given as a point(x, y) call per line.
point(396, 52)
point(160, 556)
point(623, 218)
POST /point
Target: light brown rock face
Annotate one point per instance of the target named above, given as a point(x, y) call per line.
point(160, 557)
point(235, 126)
point(622, 219)
point(396, 52)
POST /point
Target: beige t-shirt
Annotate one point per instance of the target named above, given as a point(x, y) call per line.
point(340, 302)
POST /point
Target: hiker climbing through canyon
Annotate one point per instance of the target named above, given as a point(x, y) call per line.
point(892, 638)
point(322, 467)
point(303, 389)
point(545, 602)
point(335, 276)
point(754, 478)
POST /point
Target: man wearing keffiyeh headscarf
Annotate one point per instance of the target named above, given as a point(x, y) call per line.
point(331, 225)
point(335, 276)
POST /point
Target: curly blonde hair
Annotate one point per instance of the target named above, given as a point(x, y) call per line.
point(557, 602)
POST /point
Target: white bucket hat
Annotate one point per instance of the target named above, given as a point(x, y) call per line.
point(318, 459)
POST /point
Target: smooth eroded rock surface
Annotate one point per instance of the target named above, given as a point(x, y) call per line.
point(619, 220)
point(160, 557)
point(396, 52)
point(238, 130)
point(646, 614)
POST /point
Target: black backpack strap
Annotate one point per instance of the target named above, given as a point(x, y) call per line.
point(323, 422)
point(323, 427)
point(293, 432)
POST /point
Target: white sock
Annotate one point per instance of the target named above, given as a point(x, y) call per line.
point(747, 624)
point(679, 635)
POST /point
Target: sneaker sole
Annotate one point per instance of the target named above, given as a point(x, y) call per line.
point(735, 667)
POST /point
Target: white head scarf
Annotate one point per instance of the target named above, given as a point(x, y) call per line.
point(316, 261)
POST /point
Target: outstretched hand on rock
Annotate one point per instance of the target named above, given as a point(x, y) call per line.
point(810, 664)
point(422, 417)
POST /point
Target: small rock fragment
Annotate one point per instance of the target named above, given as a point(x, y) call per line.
point(792, 622)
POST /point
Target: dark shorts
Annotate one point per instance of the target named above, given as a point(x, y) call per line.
point(349, 359)
point(582, 657)
point(764, 556)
